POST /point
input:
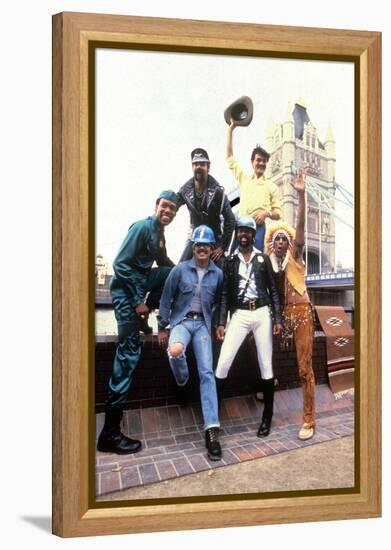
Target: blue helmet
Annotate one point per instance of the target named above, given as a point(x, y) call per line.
point(203, 234)
point(246, 221)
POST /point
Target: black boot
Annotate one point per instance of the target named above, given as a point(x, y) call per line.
point(220, 383)
point(268, 397)
point(111, 440)
point(212, 443)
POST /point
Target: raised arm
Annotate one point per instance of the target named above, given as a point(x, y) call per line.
point(229, 149)
point(299, 184)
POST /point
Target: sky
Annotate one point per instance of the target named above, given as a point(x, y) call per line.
point(154, 108)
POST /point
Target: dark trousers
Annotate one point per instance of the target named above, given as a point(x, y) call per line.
point(128, 349)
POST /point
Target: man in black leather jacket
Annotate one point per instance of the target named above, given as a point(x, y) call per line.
point(250, 295)
point(207, 204)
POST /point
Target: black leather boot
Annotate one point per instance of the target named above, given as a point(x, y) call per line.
point(268, 397)
point(112, 440)
point(220, 383)
point(212, 443)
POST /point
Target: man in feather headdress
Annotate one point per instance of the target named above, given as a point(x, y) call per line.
point(285, 247)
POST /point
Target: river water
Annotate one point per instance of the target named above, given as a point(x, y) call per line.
point(105, 322)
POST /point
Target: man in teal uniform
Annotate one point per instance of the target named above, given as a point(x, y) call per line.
point(133, 278)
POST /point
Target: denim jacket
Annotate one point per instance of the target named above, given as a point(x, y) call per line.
point(179, 291)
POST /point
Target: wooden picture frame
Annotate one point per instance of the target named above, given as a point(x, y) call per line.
point(75, 35)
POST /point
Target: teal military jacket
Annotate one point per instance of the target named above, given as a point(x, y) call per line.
point(143, 245)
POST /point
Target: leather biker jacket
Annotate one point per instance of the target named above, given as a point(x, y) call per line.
point(265, 283)
point(217, 205)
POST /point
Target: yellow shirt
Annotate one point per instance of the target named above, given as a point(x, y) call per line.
point(255, 193)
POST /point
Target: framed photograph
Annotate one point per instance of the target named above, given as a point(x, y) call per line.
point(133, 99)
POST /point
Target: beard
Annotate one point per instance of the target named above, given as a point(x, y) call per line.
point(200, 176)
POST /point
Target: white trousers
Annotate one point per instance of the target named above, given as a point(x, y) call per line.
point(242, 322)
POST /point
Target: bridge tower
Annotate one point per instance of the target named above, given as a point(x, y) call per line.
point(296, 140)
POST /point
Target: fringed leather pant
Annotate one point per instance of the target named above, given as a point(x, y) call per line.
point(298, 319)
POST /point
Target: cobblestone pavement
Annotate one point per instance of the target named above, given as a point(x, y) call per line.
point(173, 437)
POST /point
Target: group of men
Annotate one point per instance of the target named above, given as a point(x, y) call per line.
point(264, 293)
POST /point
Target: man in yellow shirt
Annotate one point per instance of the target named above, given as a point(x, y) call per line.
point(258, 195)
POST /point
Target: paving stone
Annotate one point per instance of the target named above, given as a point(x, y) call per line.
point(224, 415)
point(197, 413)
point(232, 407)
point(99, 468)
point(166, 469)
point(229, 457)
point(236, 429)
point(198, 462)
point(173, 438)
point(241, 454)
point(187, 416)
point(276, 445)
point(161, 416)
point(290, 444)
point(110, 481)
point(265, 448)
point(198, 449)
point(133, 423)
point(195, 436)
point(130, 477)
point(254, 451)
point(254, 406)
point(168, 456)
point(243, 408)
point(148, 473)
point(180, 446)
point(160, 442)
point(183, 466)
point(148, 421)
point(174, 417)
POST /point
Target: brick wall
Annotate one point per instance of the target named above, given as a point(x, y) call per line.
point(153, 383)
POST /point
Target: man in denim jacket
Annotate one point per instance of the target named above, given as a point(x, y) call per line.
point(190, 296)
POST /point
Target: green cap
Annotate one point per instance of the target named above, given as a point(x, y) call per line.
point(169, 195)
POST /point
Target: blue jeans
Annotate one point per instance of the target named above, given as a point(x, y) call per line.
point(196, 332)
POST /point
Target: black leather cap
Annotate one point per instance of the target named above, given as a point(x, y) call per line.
point(241, 111)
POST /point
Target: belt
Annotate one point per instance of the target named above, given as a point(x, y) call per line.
point(251, 305)
point(194, 315)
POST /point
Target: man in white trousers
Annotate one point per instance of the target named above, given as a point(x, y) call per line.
point(250, 295)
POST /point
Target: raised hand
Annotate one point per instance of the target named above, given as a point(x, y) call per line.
point(233, 124)
point(299, 182)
